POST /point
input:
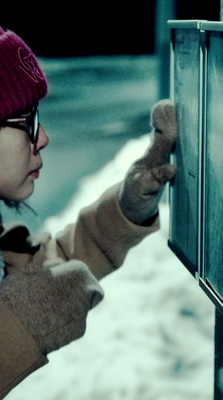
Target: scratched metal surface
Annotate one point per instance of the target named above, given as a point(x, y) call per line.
point(214, 165)
point(184, 209)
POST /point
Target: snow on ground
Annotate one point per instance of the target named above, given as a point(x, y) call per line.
point(152, 336)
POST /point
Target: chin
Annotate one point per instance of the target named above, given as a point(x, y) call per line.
point(23, 193)
point(17, 193)
point(26, 195)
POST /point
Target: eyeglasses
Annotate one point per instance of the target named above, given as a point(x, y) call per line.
point(29, 123)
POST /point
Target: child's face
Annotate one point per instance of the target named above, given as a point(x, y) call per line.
point(20, 162)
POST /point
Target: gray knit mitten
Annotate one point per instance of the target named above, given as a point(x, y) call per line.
point(53, 304)
point(144, 183)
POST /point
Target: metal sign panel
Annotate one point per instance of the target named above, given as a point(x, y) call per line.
point(196, 197)
point(212, 274)
point(186, 70)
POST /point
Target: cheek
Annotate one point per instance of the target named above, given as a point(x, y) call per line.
point(14, 184)
point(14, 167)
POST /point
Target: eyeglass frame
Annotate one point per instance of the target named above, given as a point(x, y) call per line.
point(29, 124)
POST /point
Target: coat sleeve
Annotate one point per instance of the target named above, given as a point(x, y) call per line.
point(102, 235)
point(19, 353)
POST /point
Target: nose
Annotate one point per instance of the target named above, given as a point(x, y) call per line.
point(42, 140)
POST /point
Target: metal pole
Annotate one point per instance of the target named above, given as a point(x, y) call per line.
point(218, 345)
point(221, 10)
point(164, 10)
point(218, 361)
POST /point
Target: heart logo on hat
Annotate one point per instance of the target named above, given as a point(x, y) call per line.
point(27, 64)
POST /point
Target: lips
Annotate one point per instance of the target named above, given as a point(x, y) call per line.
point(35, 172)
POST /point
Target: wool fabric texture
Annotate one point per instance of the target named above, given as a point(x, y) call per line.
point(22, 81)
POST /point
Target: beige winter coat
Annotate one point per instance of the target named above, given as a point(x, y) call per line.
point(101, 238)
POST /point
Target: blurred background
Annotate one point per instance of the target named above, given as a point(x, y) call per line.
point(106, 66)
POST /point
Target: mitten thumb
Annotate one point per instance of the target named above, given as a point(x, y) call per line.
point(158, 177)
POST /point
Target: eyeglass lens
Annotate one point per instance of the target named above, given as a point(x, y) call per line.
point(35, 126)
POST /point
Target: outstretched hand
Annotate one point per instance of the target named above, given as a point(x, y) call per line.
point(145, 181)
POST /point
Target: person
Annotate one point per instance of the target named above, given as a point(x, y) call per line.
point(48, 285)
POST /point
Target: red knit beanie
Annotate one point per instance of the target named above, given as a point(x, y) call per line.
point(22, 81)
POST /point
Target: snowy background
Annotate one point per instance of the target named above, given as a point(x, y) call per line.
point(152, 336)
